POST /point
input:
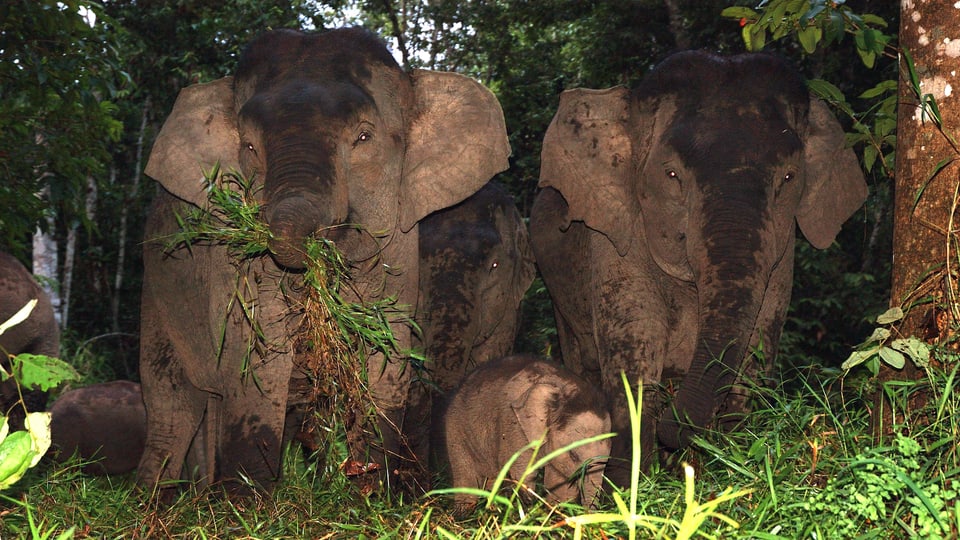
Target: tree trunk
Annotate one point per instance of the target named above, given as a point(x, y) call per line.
point(46, 260)
point(922, 243)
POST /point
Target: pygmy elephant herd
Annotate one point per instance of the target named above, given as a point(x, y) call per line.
point(663, 230)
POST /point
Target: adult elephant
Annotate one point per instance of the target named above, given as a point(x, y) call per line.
point(475, 266)
point(334, 133)
point(665, 229)
point(38, 334)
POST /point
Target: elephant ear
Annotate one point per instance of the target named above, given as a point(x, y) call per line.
point(588, 157)
point(527, 262)
point(835, 187)
point(533, 409)
point(456, 142)
point(200, 131)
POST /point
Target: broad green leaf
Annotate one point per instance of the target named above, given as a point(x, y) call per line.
point(19, 316)
point(891, 315)
point(867, 57)
point(43, 372)
point(881, 88)
point(869, 157)
point(825, 90)
point(858, 357)
point(754, 37)
point(917, 350)
point(38, 425)
point(737, 12)
point(892, 357)
point(873, 19)
point(879, 335)
point(16, 453)
point(809, 37)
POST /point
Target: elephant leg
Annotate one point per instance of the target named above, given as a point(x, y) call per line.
point(175, 409)
point(393, 389)
point(251, 426)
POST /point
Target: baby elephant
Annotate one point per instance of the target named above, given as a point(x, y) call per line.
point(508, 402)
point(105, 424)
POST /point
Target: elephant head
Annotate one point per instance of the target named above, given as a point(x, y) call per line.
point(475, 266)
point(509, 402)
point(703, 170)
point(335, 133)
point(562, 410)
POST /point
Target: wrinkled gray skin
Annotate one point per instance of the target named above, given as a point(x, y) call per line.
point(512, 401)
point(38, 334)
point(104, 424)
point(665, 230)
point(334, 132)
point(475, 266)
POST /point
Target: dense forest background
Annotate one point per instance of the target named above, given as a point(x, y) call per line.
point(84, 88)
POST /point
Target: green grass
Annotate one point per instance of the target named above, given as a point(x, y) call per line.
point(804, 466)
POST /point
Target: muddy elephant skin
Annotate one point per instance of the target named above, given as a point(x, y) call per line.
point(509, 402)
point(338, 138)
point(665, 230)
point(38, 334)
point(104, 424)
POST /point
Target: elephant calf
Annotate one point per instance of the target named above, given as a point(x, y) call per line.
point(103, 424)
point(509, 402)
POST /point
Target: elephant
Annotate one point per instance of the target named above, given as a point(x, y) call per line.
point(343, 144)
point(664, 230)
point(38, 334)
point(509, 402)
point(103, 424)
point(475, 266)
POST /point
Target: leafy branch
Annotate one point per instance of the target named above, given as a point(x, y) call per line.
point(821, 23)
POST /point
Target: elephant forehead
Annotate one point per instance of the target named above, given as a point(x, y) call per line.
point(731, 137)
point(348, 54)
point(299, 101)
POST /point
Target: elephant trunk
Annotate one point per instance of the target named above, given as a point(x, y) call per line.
point(731, 285)
point(291, 221)
point(303, 196)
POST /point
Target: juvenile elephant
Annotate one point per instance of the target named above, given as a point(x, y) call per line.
point(103, 424)
point(336, 136)
point(509, 402)
point(665, 229)
point(475, 266)
point(38, 334)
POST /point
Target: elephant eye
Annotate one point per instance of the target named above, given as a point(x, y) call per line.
point(788, 177)
point(495, 265)
point(249, 147)
point(364, 136)
point(672, 174)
